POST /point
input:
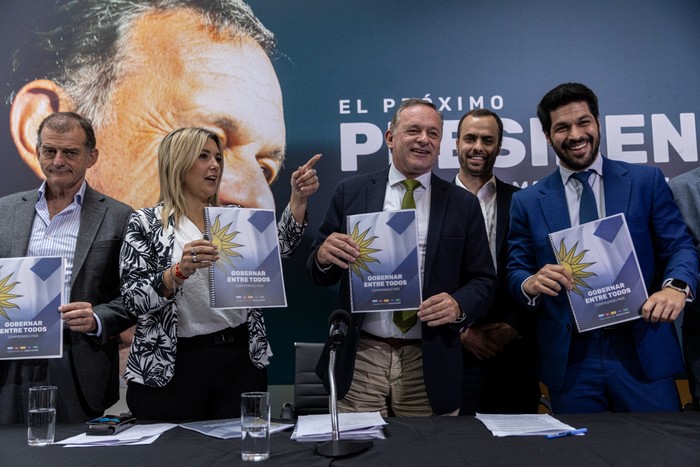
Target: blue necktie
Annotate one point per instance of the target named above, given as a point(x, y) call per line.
point(587, 209)
point(406, 319)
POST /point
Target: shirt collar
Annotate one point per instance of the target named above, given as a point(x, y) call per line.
point(488, 187)
point(78, 198)
point(396, 177)
point(596, 166)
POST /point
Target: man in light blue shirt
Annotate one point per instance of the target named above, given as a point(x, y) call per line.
point(67, 218)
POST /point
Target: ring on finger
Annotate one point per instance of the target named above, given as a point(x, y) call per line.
point(83, 320)
point(193, 253)
point(195, 259)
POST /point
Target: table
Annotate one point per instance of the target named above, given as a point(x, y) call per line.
point(613, 439)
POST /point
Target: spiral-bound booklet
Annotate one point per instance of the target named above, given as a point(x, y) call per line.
point(31, 290)
point(608, 283)
point(386, 276)
point(248, 273)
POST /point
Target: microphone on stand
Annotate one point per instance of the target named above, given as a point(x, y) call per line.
point(339, 321)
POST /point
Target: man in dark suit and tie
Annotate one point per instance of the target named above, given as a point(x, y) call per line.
point(499, 349)
point(629, 366)
point(65, 217)
point(410, 368)
point(686, 190)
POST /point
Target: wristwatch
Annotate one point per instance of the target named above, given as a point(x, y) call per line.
point(679, 285)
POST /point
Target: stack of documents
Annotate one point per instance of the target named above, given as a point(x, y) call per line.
point(229, 428)
point(527, 425)
point(362, 425)
point(137, 434)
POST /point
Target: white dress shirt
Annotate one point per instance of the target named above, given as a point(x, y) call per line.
point(381, 323)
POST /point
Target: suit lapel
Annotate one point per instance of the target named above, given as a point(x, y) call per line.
point(376, 191)
point(22, 224)
point(438, 207)
point(92, 214)
point(503, 196)
point(617, 188)
point(555, 211)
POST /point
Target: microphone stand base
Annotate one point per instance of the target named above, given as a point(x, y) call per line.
point(342, 448)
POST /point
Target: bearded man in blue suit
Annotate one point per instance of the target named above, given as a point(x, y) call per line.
point(630, 366)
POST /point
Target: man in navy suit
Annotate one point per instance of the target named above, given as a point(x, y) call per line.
point(415, 371)
point(631, 366)
point(499, 349)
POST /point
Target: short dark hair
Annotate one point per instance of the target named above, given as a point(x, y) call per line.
point(63, 122)
point(411, 103)
point(561, 95)
point(482, 113)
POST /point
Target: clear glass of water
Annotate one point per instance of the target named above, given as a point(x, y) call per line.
point(255, 426)
point(42, 415)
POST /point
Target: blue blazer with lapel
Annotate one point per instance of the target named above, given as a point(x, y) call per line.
point(457, 261)
point(664, 248)
point(95, 279)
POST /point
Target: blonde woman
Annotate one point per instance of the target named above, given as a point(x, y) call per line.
point(187, 360)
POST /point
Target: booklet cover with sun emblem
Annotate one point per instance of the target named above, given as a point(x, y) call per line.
point(249, 271)
point(608, 283)
point(386, 275)
point(31, 290)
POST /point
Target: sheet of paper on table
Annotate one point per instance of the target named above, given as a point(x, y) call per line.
point(361, 425)
point(523, 424)
point(137, 434)
point(228, 428)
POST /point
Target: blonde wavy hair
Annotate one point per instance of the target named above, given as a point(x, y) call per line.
point(176, 154)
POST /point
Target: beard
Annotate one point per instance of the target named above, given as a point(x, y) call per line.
point(578, 163)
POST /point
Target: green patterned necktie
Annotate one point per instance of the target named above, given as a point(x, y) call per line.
point(406, 319)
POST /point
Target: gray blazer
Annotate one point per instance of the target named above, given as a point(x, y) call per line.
point(686, 191)
point(95, 280)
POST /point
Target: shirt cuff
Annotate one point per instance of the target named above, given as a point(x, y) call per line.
point(98, 331)
point(531, 300)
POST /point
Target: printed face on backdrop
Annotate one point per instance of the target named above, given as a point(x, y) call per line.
point(477, 146)
point(415, 142)
point(178, 73)
point(574, 135)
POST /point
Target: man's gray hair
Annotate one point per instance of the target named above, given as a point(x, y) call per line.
point(88, 42)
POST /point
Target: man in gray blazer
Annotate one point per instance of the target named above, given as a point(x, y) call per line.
point(686, 191)
point(65, 217)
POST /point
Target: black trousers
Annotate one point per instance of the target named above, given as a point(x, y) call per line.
point(17, 376)
point(506, 383)
point(210, 375)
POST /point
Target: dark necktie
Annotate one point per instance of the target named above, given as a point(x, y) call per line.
point(587, 209)
point(406, 319)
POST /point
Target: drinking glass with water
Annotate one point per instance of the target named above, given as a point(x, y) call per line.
point(42, 415)
point(255, 426)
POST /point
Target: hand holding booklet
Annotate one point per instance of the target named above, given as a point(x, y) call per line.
point(609, 286)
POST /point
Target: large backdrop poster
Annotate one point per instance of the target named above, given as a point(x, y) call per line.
point(338, 72)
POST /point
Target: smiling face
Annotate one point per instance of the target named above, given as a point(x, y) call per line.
point(478, 145)
point(415, 141)
point(574, 135)
point(202, 179)
point(178, 73)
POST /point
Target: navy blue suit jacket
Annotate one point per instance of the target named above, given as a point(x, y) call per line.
point(457, 261)
point(664, 248)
